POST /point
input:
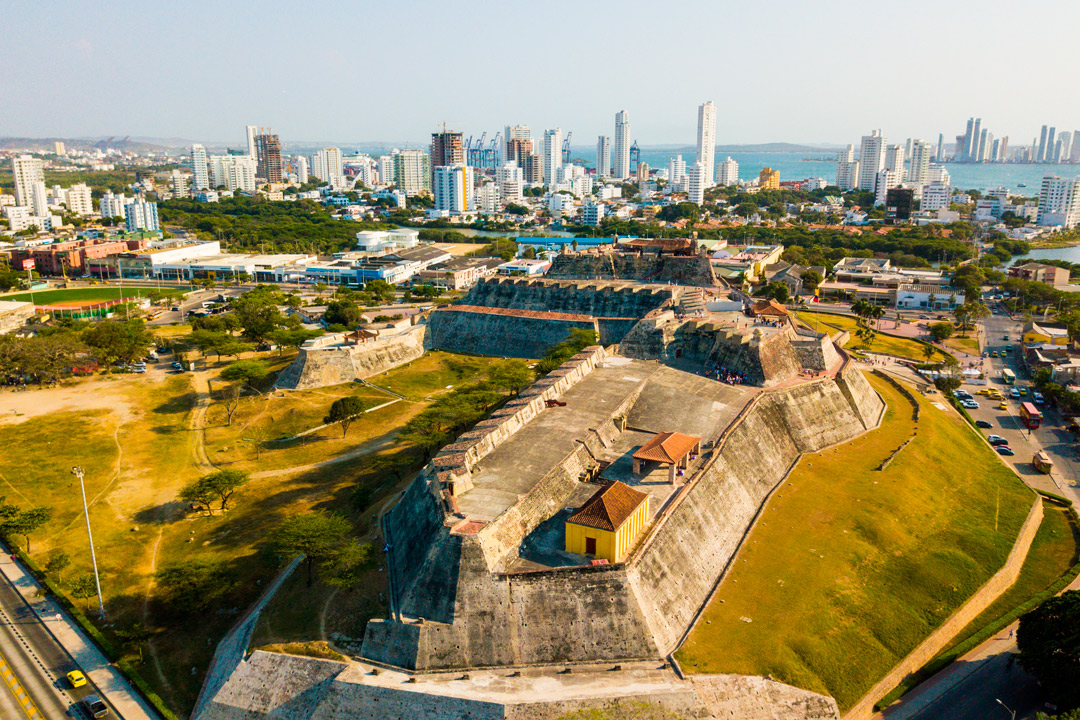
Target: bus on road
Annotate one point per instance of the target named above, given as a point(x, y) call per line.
point(1008, 376)
point(1042, 462)
point(1030, 416)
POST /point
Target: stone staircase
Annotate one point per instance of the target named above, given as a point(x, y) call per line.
point(692, 301)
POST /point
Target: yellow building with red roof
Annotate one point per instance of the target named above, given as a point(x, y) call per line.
point(607, 526)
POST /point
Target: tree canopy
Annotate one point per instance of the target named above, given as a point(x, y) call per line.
point(1050, 646)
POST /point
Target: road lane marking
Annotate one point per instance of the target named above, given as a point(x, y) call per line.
point(21, 696)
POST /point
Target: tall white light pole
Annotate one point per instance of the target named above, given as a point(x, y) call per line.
point(78, 471)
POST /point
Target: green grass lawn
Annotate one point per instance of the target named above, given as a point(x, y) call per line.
point(850, 568)
point(967, 344)
point(898, 346)
point(92, 294)
point(432, 373)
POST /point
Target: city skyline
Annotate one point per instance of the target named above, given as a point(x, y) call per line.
point(772, 104)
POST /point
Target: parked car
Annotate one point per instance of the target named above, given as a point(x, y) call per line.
point(961, 394)
point(996, 440)
point(94, 707)
point(1004, 450)
point(983, 424)
point(970, 404)
point(175, 308)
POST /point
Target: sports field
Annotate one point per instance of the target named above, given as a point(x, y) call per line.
point(851, 567)
point(75, 296)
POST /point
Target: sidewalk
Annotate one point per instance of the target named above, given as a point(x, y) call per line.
point(119, 693)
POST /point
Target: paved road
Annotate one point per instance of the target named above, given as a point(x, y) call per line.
point(38, 662)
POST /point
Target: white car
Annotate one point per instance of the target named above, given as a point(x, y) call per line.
point(970, 404)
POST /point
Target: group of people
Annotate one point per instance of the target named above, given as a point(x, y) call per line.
point(724, 375)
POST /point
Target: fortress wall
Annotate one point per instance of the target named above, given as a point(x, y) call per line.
point(614, 329)
point(816, 353)
point(456, 329)
point(749, 697)
point(570, 615)
point(675, 702)
point(647, 267)
point(568, 297)
point(860, 395)
point(680, 562)
point(321, 366)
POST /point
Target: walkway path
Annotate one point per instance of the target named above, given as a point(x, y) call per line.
point(129, 704)
point(372, 445)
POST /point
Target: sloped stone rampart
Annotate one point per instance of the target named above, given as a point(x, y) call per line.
point(599, 300)
point(336, 364)
point(748, 697)
point(502, 332)
point(646, 267)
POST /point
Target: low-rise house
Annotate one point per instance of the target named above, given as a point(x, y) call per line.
point(1036, 334)
point(1049, 274)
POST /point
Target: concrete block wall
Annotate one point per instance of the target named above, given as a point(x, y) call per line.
point(749, 697)
point(321, 366)
point(457, 329)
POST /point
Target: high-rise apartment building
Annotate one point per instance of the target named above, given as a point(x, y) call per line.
point(621, 166)
point(79, 200)
point(603, 156)
point(936, 196)
point(412, 171)
point(453, 187)
point(847, 169)
point(178, 185)
point(300, 169)
point(886, 181)
point(233, 172)
point(552, 155)
point(676, 170)
point(1074, 151)
point(111, 205)
point(894, 159)
point(696, 182)
point(871, 160)
point(200, 173)
point(141, 215)
point(512, 133)
point(919, 167)
point(251, 131)
point(769, 179)
point(26, 170)
point(268, 157)
point(727, 172)
point(511, 181)
point(1059, 201)
point(58, 148)
point(706, 138)
point(447, 148)
point(39, 199)
point(940, 156)
point(327, 165)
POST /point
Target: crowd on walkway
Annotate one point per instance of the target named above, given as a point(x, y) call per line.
point(722, 374)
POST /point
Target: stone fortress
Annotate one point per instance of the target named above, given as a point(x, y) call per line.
point(491, 615)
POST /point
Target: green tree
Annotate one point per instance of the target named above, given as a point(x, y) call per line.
point(347, 566)
point(811, 279)
point(10, 278)
point(26, 523)
point(380, 290)
point(119, 341)
point(223, 484)
point(941, 331)
point(578, 340)
point(316, 536)
point(197, 493)
point(229, 396)
point(1050, 646)
point(927, 351)
point(257, 312)
point(777, 291)
point(968, 313)
point(947, 383)
point(83, 587)
point(510, 375)
point(343, 312)
point(57, 563)
point(133, 637)
point(344, 410)
point(246, 371)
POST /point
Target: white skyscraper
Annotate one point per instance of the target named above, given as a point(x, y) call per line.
point(252, 131)
point(697, 181)
point(1074, 152)
point(300, 168)
point(847, 169)
point(919, 166)
point(386, 169)
point(727, 172)
point(894, 160)
point(200, 175)
point(412, 171)
point(235, 172)
point(871, 160)
point(886, 180)
point(676, 170)
point(453, 187)
point(603, 156)
point(1059, 201)
point(511, 179)
point(552, 158)
point(706, 138)
point(327, 166)
point(27, 171)
point(622, 145)
point(112, 205)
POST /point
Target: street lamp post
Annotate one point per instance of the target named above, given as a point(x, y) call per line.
point(78, 471)
point(1011, 712)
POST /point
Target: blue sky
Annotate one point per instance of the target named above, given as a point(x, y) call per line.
point(785, 70)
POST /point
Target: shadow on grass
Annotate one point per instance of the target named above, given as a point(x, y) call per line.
point(177, 404)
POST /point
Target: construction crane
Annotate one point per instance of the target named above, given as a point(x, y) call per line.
point(566, 147)
point(635, 157)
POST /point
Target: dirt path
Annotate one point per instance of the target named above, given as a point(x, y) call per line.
point(323, 613)
point(373, 445)
point(146, 611)
point(200, 383)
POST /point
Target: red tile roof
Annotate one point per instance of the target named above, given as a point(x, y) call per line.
point(610, 507)
point(667, 447)
point(769, 307)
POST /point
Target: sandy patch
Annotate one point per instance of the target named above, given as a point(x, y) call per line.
point(104, 393)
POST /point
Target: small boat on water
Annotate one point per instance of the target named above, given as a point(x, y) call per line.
point(1020, 185)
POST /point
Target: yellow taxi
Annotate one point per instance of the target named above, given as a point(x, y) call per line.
point(76, 678)
point(1002, 406)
